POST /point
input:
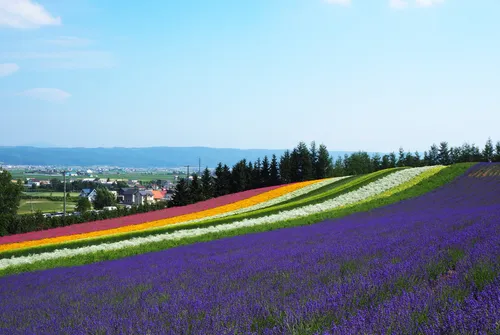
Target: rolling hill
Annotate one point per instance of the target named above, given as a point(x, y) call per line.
point(404, 250)
point(134, 157)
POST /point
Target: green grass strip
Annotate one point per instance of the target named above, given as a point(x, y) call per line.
point(342, 188)
point(439, 179)
point(400, 188)
point(322, 190)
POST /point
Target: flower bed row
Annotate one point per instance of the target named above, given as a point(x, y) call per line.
point(338, 188)
point(329, 192)
point(227, 204)
point(136, 218)
point(369, 191)
point(382, 204)
point(284, 198)
point(343, 186)
point(318, 195)
point(423, 266)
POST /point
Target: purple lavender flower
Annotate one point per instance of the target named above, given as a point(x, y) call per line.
point(429, 265)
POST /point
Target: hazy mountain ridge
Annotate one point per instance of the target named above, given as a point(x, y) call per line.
point(134, 157)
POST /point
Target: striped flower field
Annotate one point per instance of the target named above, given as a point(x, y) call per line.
point(29, 243)
point(412, 250)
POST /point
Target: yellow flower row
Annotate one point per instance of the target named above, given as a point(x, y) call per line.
point(266, 196)
point(414, 181)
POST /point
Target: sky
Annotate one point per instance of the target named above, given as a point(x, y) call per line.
point(370, 75)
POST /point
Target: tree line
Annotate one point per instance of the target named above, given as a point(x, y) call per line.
point(443, 154)
point(302, 163)
point(17, 224)
point(307, 163)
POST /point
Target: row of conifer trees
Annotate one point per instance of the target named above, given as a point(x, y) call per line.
point(313, 162)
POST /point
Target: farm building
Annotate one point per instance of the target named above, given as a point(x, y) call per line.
point(89, 194)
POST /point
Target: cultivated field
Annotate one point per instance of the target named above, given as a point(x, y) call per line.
point(51, 194)
point(399, 251)
point(20, 174)
point(43, 205)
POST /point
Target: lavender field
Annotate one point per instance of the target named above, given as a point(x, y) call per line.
point(429, 265)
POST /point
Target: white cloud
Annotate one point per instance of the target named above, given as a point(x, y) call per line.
point(428, 3)
point(47, 94)
point(339, 2)
point(65, 59)
point(398, 4)
point(69, 41)
point(25, 14)
point(7, 69)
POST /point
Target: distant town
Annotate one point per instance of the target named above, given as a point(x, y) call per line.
point(45, 186)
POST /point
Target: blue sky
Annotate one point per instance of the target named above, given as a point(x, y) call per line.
point(356, 75)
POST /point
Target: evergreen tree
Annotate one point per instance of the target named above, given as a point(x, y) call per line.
point(313, 154)
point(386, 162)
point(222, 182)
point(239, 177)
point(444, 154)
point(219, 181)
point(476, 153)
point(433, 155)
point(256, 175)
point(181, 195)
point(357, 163)
point(195, 190)
point(426, 161)
point(10, 194)
point(338, 168)
point(497, 152)
point(324, 164)
point(409, 160)
point(274, 172)
point(306, 166)
point(392, 160)
point(226, 173)
point(417, 159)
point(376, 162)
point(83, 205)
point(300, 161)
point(265, 172)
point(286, 168)
point(294, 166)
point(103, 198)
point(488, 152)
point(454, 155)
point(207, 184)
point(249, 175)
point(465, 153)
point(401, 158)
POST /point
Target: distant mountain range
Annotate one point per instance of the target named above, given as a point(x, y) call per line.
point(170, 157)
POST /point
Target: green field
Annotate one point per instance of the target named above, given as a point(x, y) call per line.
point(20, 174)
point(52, 194)
point(44, 205)
point(138, 176)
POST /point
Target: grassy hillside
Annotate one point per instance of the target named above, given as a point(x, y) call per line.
point(408, 253)
point(423, 186)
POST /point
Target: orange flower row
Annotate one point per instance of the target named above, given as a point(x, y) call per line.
point(164, 222)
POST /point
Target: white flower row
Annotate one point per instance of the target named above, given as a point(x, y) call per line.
point(369, 190)
point(271, 202)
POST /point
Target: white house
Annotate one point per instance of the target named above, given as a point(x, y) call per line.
point(89, 194)
point(142, 197)
point(32, 182)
